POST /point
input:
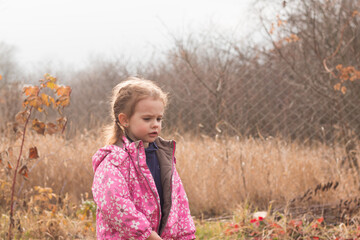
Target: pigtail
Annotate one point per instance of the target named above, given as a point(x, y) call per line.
point(113, 133)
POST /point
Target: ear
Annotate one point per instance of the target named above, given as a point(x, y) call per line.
point(123, 119)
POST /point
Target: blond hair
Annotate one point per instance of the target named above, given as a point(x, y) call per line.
point(125, 96)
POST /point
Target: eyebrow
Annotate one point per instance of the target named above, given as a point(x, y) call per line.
point(150, 115)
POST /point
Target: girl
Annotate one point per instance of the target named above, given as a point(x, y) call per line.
point(136, 187)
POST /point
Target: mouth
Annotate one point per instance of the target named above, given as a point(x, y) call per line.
point(152, 134)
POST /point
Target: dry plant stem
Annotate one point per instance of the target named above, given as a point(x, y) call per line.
point(14, 179)
point(337, 48)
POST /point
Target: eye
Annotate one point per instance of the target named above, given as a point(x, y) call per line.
point(146, 119)
point(159, 119)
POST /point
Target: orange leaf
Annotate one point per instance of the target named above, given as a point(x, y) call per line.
point(34, 101)
point(9, 166)
point(53, 208)
point(0, 77)
point(52, 100)
point(63, 91)
point(51, 128)
point(353, 78)
point(50, 78)
point(31, 91)
point(63, 101)
point(61, 122)
point(45, 99)
point(337, 86)
point(354, 13)
point(38, 126)
point(343, 89)
point(33, 153)
point(24, 171)
point(294, 37)
point(51, 85)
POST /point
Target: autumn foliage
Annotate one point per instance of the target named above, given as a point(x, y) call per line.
point(345, 74)
point(35, 100)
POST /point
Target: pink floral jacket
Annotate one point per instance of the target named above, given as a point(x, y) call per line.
point(128, 204)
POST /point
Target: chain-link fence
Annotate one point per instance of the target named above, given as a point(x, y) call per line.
point(219, 86)
point(268, 104)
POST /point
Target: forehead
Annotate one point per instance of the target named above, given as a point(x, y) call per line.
point(149, 106)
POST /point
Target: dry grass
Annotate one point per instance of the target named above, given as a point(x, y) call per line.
point(218, 174)
point(64, 165)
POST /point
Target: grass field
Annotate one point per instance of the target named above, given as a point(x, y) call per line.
point(305, 189)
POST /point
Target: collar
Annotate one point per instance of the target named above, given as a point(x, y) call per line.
point(152, 145)
point(128, 138)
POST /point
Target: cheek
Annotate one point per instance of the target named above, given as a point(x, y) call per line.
point(141, 127)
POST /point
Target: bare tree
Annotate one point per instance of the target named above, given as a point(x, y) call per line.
point(10, 90)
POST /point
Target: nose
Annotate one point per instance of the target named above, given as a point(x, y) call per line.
point(156, 124)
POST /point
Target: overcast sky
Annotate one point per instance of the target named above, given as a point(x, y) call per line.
point(69, 31)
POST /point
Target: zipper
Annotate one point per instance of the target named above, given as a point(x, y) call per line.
point(157, 203)
point(171, 180)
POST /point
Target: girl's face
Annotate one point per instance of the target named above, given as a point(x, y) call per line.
point(145, 123)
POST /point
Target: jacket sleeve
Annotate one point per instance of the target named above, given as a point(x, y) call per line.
point(111, 194)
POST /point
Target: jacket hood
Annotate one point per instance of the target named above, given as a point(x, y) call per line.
point(103, 152)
